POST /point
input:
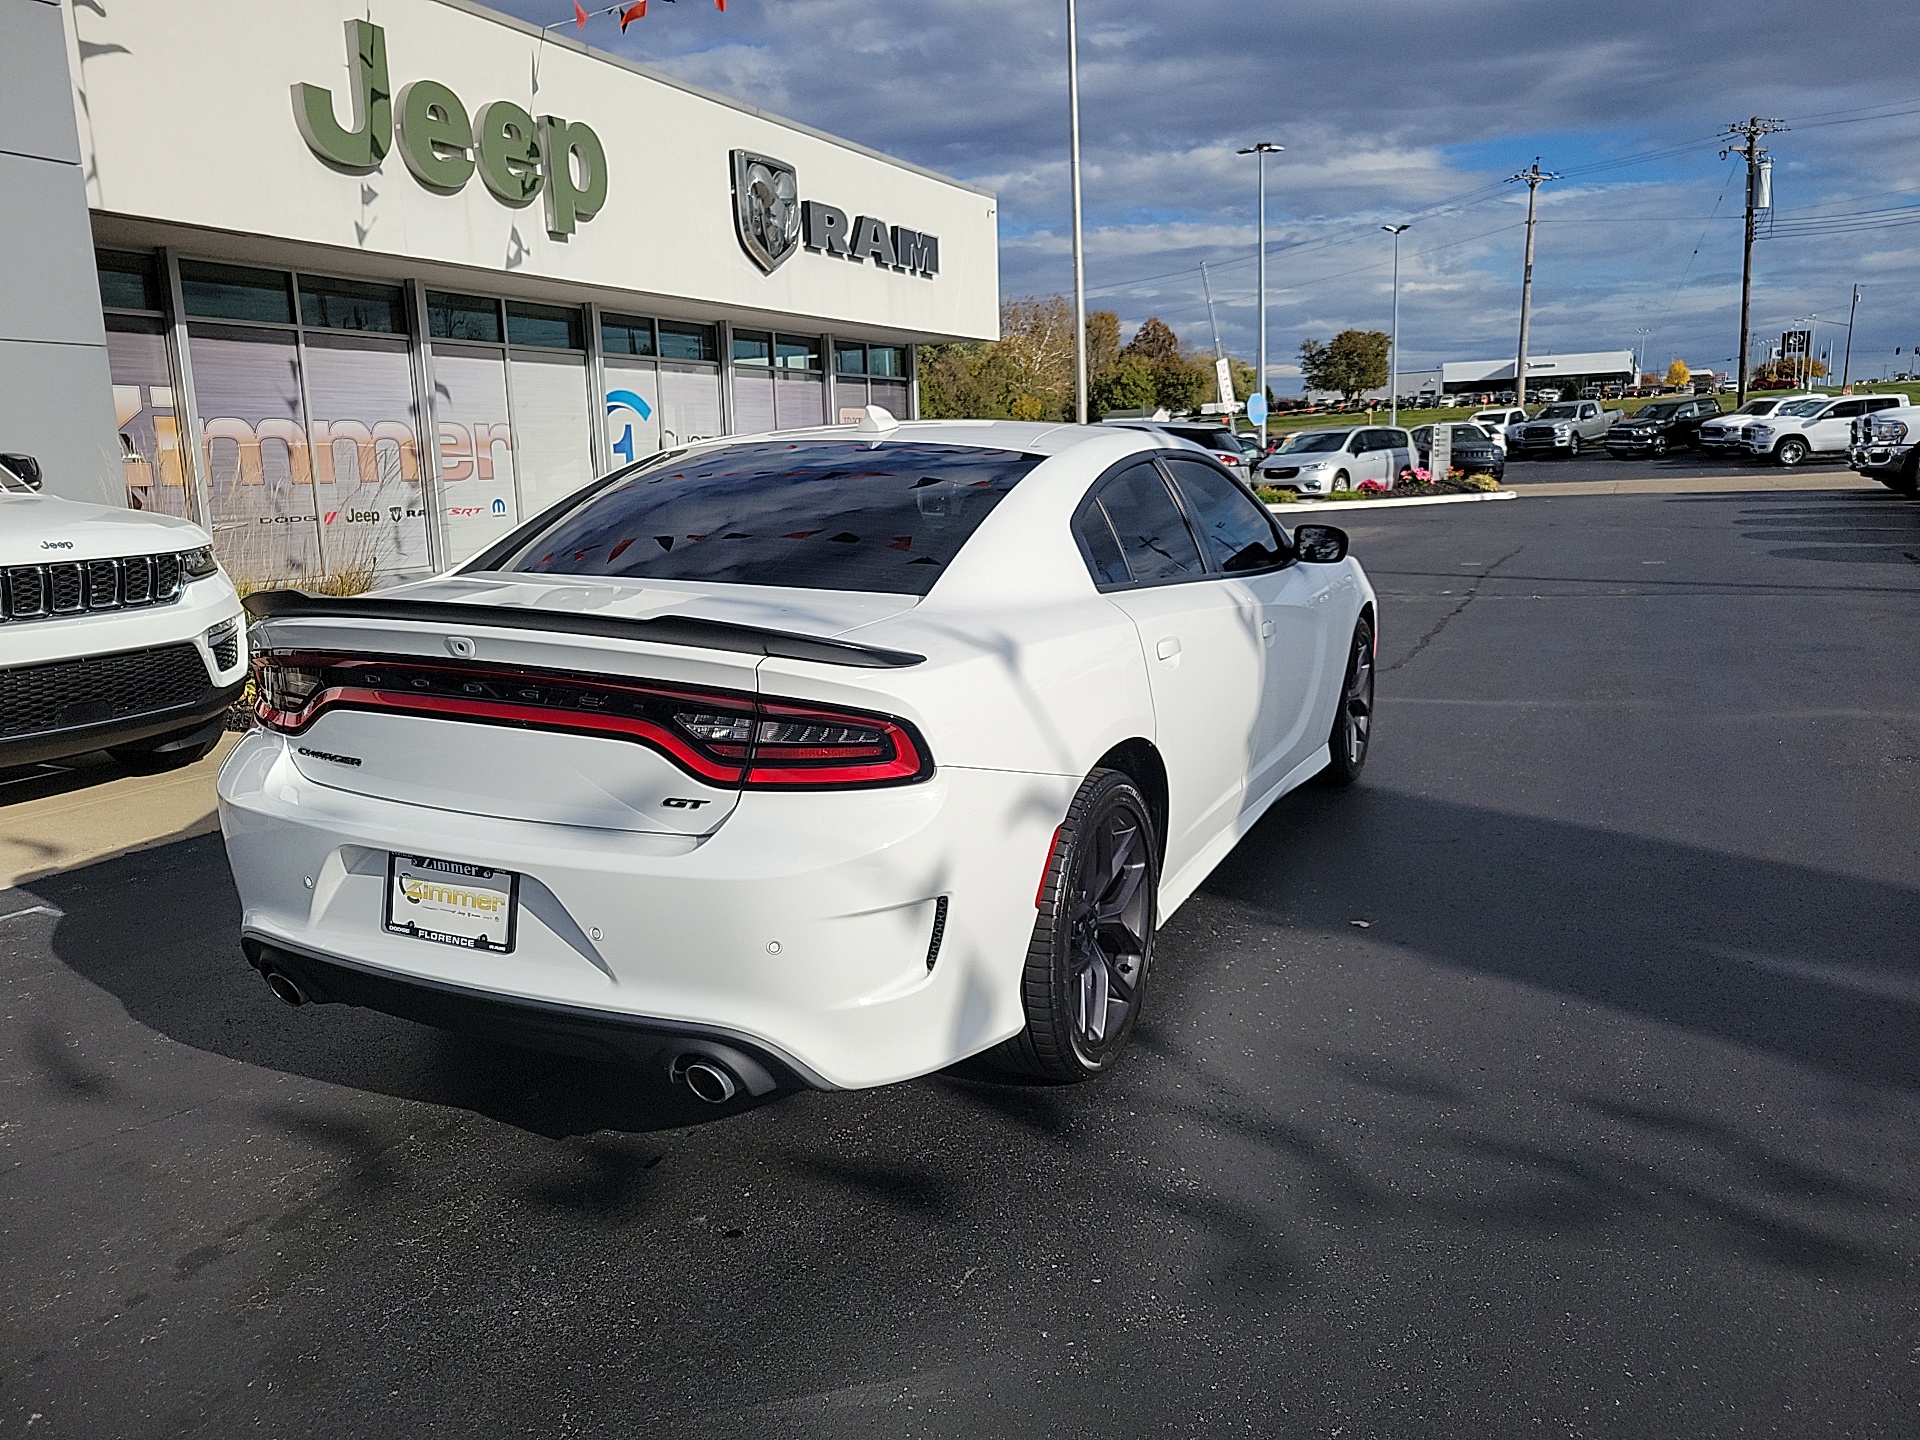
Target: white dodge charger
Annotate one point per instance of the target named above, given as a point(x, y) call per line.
point(823, 759)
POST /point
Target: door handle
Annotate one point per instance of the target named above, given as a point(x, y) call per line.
point(1168, 649)
point(1266, 630)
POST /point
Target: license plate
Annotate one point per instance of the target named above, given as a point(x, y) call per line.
point(450, 903)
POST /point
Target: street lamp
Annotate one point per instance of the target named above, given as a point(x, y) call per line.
point(1262, 150)
point(1393, 341)
point(1079, 247)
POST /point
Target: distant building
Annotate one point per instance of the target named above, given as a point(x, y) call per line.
point(1570, 373)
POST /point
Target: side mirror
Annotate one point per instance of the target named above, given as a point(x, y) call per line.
point(25, 467)
point(1319, 544)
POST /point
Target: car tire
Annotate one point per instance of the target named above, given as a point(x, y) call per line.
point(1352, 733)
point(1790, 452)
point(147, 760)
point(1342, 481)
point(1906, 480)
point(1573, 447)
point(1660, 447)
point(1092, 944)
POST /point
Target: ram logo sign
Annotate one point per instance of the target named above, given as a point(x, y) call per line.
point(773, 222)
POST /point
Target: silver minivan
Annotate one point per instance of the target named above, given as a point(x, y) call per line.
point(1315, 462)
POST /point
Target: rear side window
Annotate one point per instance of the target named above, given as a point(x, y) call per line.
point(828, 515)
point(1150, 530)
point(1238, 534)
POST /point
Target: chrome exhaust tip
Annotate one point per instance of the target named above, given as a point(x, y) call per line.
point(284, 986)
point(708, 1081)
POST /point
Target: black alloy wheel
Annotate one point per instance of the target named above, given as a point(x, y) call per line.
point(1791, 452)
point(1353, 721)
point(1092, 943)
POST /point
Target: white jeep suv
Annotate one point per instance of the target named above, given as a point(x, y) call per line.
point(118, 631)
point(1820, 426)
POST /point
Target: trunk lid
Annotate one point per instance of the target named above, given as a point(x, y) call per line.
point(543, 724)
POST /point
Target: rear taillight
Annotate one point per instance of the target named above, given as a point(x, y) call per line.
point(723, 738)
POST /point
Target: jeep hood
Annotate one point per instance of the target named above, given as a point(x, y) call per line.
point(35, 529)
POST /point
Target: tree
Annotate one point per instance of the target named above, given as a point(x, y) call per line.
point(1783, 374)
point(1352, 362)
point(1153, 341)
point(1125, 386)
point(1678, 373)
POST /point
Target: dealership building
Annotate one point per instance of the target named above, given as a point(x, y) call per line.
point(364, 285)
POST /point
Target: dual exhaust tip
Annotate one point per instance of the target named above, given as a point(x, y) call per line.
point(706, 1076)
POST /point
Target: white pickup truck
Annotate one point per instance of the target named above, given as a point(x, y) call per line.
point(1886, 446)
point(118, 631)
point(1566, 428)
point(1821, 426)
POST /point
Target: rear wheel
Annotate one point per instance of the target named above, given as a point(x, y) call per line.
point(1791, 452)
point(1353, 721)
point(1092, 943)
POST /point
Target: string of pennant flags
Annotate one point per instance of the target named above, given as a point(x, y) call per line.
point(628, 13)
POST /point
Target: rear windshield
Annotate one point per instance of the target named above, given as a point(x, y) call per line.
point(1209, 439)
point(823, 515)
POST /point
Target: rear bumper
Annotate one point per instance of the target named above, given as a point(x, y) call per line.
point(535, 1024)
point(801, 927)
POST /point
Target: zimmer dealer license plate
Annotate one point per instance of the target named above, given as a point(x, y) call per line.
point(451, 903)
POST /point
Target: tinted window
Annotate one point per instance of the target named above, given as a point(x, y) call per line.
point(550, 327)
point(462, 317)
point(1237, 533)
point(1883, 402)
point(128, 282)
point(1095, 535)
point(826, 516)
point(626, 335)
point(352, 305)
point(233, 292)
point(681, 341)
point(1206, 436)
point(1152, 534)
point(1845, 409)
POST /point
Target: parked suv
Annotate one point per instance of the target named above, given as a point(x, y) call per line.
point(1565, 429)
point(118, 631)
point(1315, 462)
point(1662, 426)
point(1886, 446)
point(1813, 427)
point(1217, 440)
point(1474, 452)
point(1729, 431)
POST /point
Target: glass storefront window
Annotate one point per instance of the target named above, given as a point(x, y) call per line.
point(689, 403)
point(631, 407)
point(888, 360)
point(797, 352)
point(553, 430)
point(682, 341)
point(128, 281)
point(625, 335)
point(549, 327)
point(144, 411)
point(478, 497)
point(849, 359)
point(259, 473)
point(752, 347)
point(235, 292)
point(352, 305)
point(364, 431)
point(800, 398)
point(462, 317)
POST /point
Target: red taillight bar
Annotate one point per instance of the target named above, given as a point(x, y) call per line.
point(894, 756)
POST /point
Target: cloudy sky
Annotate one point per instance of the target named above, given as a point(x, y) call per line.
point(1390, 112)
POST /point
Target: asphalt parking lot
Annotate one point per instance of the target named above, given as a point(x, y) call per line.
point(1598, 465)
point(1562, 1079)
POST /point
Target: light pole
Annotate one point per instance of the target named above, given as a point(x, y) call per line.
point(1393, 340)
point(1079, 247)
point(1261, 151)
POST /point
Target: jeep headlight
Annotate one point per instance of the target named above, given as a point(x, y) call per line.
point(198, 564)
point(1889, 432)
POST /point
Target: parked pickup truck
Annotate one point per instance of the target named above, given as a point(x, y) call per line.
point(1886, 446)
point(1729, 431)
point(1813, 427)
point(1566, 428)
point(1669, 424)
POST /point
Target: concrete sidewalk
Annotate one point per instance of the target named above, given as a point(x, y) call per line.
point(57, 817)
point(1704, 484)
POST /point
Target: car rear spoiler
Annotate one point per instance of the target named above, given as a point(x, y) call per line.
point(657, 629)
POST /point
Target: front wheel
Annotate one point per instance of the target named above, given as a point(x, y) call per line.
point(1093, 940)
point(1353, 720)
point(1791, 452)
point(1905, 480)
point(1573, 447)
point(1659, 447)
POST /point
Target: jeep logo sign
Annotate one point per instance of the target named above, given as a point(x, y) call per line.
point(772, 222)
point(518, 158)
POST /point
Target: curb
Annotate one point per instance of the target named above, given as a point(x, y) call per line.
point(1317, 505)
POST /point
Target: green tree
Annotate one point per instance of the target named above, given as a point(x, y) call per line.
point(1353, 362)
point(1128, 385)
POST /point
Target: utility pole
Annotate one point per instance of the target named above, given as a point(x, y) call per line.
point(1393, 341)
point(1759, 197)
point(1534, 177)
point(1079, 240)
point(1212, 323)
point(1846, 363)
point(1260, 153)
